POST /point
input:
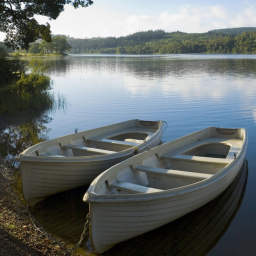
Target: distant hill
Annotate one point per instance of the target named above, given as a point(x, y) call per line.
point(233, 40)
point(229, 40)
point(232, 31)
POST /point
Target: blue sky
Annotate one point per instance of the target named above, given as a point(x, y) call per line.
point(119, 17)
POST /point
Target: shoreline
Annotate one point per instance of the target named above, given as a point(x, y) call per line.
point(19, 234)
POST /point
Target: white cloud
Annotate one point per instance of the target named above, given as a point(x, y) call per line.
point(190, 19)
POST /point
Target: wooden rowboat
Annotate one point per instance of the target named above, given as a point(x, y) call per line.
point(163, 184)
point(195, 233)
point(75, 160)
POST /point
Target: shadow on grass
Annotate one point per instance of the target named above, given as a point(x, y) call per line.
point(11, 246)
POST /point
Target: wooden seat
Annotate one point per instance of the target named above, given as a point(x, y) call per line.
point(51, 155)
point(94, 150)
point(134, 141)
point(173, 173)
point(119, 142)
point(199, 159)
point(132, 188)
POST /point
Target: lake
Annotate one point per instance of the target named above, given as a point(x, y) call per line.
point(189, 92)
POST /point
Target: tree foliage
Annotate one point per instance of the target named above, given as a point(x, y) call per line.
point(18, 22)
point(155, 42)
point(33, 83)
point(58, 45)
point(231, 31)
point(10, 69)
point(34, 48)
point(4, 48)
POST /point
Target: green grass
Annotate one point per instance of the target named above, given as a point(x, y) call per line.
point(11, 102)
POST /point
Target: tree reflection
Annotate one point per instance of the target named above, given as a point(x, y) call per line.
point(15, 139)
point(155, 66)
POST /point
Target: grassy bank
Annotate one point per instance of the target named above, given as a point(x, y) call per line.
point(21, 54)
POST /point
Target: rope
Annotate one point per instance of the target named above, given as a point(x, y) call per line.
point(86, 226)
point(31, 218)
point(165, 124)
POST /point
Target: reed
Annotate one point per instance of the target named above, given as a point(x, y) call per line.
point(28, 88)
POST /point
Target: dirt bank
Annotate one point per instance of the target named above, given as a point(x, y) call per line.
point(19, 234)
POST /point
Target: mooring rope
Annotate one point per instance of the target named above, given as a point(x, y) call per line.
point(165, 124)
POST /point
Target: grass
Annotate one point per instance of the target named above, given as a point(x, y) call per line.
point(29, 91)
point(11, 102)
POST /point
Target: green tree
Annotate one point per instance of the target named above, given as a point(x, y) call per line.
point(58, 45)
point(18, 22)
point(45, 47)
point(34, 48)
point(10, 69)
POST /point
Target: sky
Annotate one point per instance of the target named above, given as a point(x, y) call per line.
point(123, 17)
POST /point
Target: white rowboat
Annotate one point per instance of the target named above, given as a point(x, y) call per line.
point(75, 160)
point(163, 184)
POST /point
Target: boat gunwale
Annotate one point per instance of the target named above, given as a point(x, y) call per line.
point(92, 197)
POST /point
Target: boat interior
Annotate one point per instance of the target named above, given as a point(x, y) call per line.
point(175, 167)
point(101, 142)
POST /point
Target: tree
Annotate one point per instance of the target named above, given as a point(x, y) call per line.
point(18, 22)
point(10, 69)
point(45, 47)
point(34, 48)
point(58, 45)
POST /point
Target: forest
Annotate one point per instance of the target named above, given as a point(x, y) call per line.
point(234, 40)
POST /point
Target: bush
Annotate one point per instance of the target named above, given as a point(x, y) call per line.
point(34, 83)
point(10, 69)
point(23, 87)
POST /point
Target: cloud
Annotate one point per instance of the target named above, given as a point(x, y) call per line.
point(98, 21)
point(190, 19)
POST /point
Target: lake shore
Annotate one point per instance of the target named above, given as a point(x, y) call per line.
point(19, 232)
point(18, 54)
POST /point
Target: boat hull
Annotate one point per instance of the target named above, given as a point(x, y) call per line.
point(42, 179)
point(126, 220)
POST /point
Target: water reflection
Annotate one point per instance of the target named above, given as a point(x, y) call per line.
point(194, 234)
point(15, 139)
point(192, 79)
point(155, 66)
point(25, 128)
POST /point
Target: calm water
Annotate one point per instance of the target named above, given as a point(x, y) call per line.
point(190, 92)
